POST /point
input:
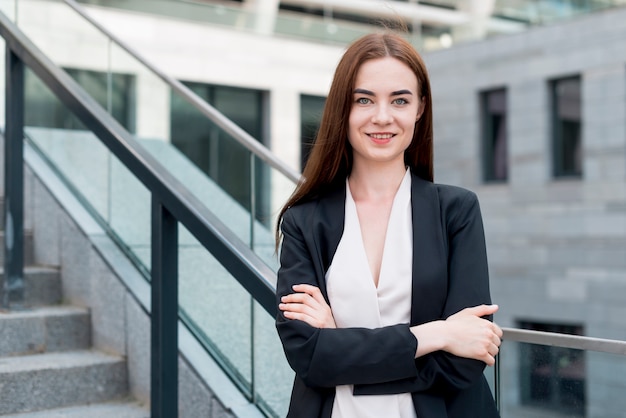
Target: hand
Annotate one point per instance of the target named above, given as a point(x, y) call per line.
point(471, 336)
point(307, 305)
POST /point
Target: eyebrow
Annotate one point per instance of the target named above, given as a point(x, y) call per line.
point(371, 93)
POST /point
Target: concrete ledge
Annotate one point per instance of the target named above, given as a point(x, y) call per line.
point(45, 329)
point(36, 382)
point(104, 410)
point(29, 258)
point(42, 285)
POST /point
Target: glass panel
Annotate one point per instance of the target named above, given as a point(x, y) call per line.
point(8, 7)
point(77, 154)
point(217, 306)
point(272, 375)
point(63, 35)
point(215, 152)
point(540, 381)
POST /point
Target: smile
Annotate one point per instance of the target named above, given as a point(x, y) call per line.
point(381, 136)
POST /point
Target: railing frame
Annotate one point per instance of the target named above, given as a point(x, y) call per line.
point(13, 285)
point(172, 203)
point(553, 339)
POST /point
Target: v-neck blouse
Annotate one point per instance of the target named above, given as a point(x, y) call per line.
point(357, 302)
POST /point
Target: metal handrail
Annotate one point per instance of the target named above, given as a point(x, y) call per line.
point(576, 342)
point(241, 136)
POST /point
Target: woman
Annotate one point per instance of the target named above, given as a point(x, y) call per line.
point(383, 284)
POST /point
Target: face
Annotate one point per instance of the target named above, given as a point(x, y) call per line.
point(385, 107)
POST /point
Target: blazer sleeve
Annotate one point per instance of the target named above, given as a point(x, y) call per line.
point(331, 357)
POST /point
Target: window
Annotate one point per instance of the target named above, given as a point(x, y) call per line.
point(494, 136)
point(553, 378)
point(215, 152)
point(566, 127)
point(311, 108)
point(43, 109)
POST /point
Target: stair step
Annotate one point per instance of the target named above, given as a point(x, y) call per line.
point(105, 410)
point(49, 329)
point(29, 251)
point(42, 285)
point(53, 380)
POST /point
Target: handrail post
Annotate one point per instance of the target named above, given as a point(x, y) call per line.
point(497, 382)
point(13, 286)
point(164, 313)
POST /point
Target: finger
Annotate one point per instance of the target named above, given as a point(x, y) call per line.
point(498, 331)
point(304, 298)
point(316, 293)
point(298, 308)
point(301, 317)
point(304, 288)
point(311, 290)
point(481, 310)
point(303, 313)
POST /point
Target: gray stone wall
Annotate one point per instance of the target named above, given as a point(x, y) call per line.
point(557, 248)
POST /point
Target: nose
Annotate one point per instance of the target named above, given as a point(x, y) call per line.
point(382, 115)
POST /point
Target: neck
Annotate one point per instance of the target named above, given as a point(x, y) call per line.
point(376, 182)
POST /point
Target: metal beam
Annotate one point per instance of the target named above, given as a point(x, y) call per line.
point(13, 286)
point(164, 313)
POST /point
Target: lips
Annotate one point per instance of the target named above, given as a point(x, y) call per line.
point(381, 138)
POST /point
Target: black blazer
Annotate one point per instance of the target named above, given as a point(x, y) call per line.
point(449, 274)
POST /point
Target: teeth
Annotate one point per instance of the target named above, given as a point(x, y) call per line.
point(381, 136)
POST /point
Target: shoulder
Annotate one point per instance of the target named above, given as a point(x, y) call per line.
point(329, 204)
point(448, 196)
point(454, 204)
point(459, 206)
point(455, 196)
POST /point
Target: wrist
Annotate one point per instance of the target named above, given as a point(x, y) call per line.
point(431, 336)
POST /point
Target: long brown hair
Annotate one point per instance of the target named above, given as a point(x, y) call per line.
point(330, 161)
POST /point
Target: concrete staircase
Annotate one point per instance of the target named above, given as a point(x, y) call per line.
point(47, 365)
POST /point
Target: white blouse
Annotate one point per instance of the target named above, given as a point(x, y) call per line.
point(357, 302)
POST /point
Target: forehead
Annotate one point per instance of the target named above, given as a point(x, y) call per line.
point(385, 74)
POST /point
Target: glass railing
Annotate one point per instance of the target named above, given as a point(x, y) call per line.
point(244, 189)
point(546, 375)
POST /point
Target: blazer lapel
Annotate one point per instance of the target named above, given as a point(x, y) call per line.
point(430, 277)
point(327, 229)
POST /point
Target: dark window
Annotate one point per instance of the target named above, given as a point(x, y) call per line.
point(214, 151)
point(494, 136)
point(311, 108)
point(43, 109)
point(566, 127)
point(553, 378)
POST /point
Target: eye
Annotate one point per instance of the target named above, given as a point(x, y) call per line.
point(400, 101)
point(363, 100)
